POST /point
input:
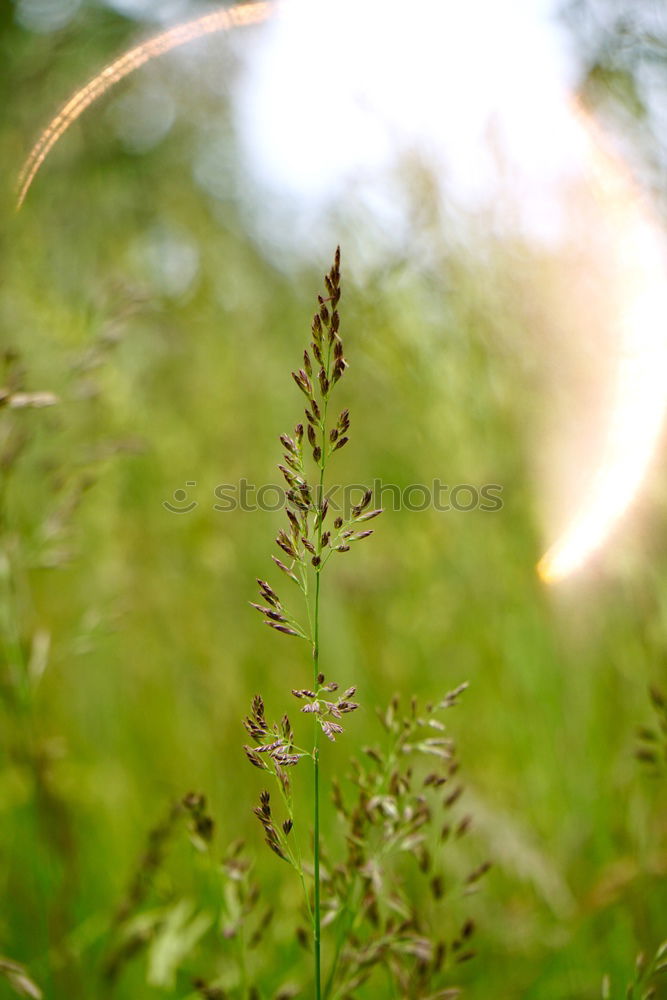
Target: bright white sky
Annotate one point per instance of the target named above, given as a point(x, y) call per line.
point(334, 92)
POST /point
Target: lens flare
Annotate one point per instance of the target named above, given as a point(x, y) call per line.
point(222, 20)
point(637, 290)
point(637, 293)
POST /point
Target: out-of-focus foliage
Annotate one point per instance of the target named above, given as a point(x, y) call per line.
point(134, 291)
point(622, 49)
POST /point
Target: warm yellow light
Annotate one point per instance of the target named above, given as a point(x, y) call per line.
point(637, 295)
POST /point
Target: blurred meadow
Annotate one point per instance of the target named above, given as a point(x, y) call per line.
point(161, 292)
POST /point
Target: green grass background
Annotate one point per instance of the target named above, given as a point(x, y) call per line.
point(154, 651)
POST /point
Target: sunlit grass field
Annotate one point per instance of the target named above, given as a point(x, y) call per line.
point(131, 622)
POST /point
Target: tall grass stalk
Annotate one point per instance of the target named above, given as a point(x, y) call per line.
point(308, 545)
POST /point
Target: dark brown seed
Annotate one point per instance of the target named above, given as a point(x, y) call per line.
point(453, 796)
point(464, 826)
point(465, 957)
point(289, 477)
point(283, 542)
point(330, 729)
point(340, 443)
point(270, 747)
point(339, 368)
point(424, 860)
point(303, 385)
point(254, 730)
point(297, 500)
point(275, 616)
point(268, 591)
point(286, 759)
point(478, 873)
point(259, 607)
point(365, 500)
point(255, 759)
point(281, 628)
point(438, 959)
point(275, 847)
point(370, 515)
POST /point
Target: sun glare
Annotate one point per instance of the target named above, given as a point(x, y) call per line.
point(637, 294)
point(435, 77)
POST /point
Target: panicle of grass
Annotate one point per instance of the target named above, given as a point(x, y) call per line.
point(393, 811)
point(398, 807)
point(305, 548)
